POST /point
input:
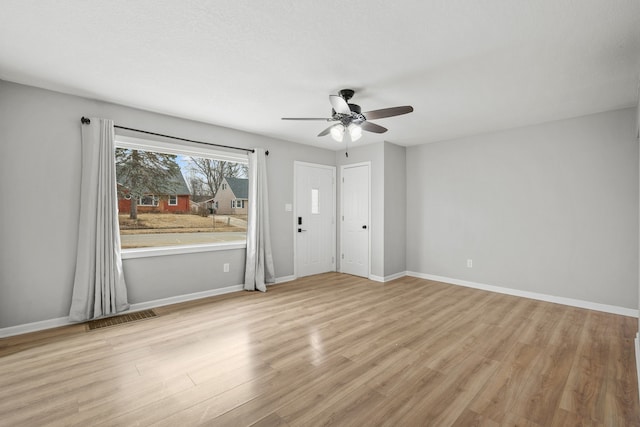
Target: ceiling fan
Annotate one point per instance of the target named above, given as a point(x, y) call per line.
point(350, 117)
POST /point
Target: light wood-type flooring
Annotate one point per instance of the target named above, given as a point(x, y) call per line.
point(332, 349)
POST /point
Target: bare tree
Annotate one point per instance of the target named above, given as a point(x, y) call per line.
point(143, 173)
point(211, 172)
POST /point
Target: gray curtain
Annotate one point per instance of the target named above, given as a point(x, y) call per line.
point(259, 262)
point(99, 288)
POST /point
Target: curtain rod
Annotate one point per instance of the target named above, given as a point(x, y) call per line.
point(86, 121)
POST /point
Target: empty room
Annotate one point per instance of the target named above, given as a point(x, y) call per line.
point(298, 213)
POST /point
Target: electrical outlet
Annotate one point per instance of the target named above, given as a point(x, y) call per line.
point(225, 267)
point(469, 263)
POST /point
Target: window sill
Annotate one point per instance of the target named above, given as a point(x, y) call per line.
point(180, 250)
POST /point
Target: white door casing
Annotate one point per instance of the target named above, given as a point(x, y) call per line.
point(356, 219)
point(315, 207)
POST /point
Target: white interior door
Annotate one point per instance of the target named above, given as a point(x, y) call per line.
point(354, 235)
point(315, 212)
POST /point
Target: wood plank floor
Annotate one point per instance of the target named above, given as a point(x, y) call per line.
point(332, 349)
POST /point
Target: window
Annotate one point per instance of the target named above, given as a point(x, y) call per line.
point(224, 186)
point(153, 175)
point(148, 200)
point(237, 204)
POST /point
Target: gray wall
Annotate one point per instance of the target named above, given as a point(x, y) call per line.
point(395, 209)
point(551, 208)
point(40, 185)
point(388, 203)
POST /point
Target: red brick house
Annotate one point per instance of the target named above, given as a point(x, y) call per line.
point(175, 203)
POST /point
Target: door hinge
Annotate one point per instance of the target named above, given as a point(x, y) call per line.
point(342, 256)
point(333, 260)
point(343, 179)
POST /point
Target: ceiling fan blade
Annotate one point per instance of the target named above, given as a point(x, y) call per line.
point(327, 130)
point(339, 104)
point(306, 118)
point(387, 112)
point(372, 127)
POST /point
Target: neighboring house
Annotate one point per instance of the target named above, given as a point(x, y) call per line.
point(202, 202)
point(177, 202)
point(232, 196)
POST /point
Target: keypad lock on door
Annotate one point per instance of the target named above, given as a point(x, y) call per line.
point(300, 230)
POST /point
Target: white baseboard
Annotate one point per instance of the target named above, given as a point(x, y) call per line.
point(532, 295)
point(184, 298)
point(387, 278)
point(34, 327)
point(64, 321)
point(284, 279)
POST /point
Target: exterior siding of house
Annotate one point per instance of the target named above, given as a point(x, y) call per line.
point(224, 197)
point(176, 182)
point(124, 205)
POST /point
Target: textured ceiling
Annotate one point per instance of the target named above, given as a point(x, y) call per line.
point(467, 67)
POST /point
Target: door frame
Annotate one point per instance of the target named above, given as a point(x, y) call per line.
point(294, 221)
point(342, 168)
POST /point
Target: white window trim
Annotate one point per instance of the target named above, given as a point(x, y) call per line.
point(179, 250)
point(176, 202)
point(178, 148)
point(183, 149)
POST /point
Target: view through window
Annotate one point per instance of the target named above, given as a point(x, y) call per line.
point(171, 198)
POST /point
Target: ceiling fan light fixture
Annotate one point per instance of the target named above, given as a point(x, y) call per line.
point(355, 132)
point(337, 132)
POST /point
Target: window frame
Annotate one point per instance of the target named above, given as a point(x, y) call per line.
point(181, 149)
point(155, 201)
point(175, 197)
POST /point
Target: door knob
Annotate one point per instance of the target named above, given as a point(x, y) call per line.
point(364, 226)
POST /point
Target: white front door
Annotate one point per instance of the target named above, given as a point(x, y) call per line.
point(355, 220)
point(315, 209)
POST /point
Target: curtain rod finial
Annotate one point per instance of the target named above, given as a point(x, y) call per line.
point(85, 121)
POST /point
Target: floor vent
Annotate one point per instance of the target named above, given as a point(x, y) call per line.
point(123, 318)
